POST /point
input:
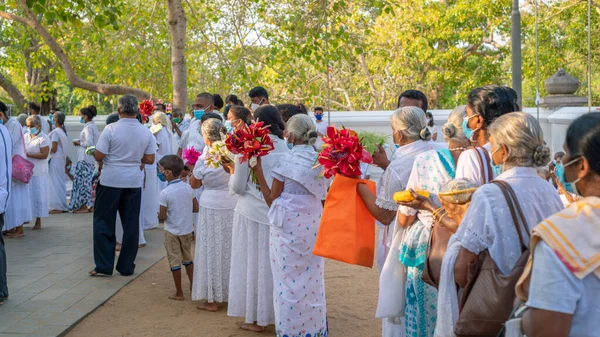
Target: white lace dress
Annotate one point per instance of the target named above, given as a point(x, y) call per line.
point(212, 260)
point(251, 279)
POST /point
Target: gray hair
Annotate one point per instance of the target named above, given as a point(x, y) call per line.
point(303, 129)
point(410, 121)
point(213, 129)
point(22, 118)
point(161, 118)
point(453, 128)
point(59, 117)
point(129, 105)
point(523, 135)
point(35, 120)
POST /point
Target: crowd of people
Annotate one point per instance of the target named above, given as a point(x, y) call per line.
point(535, 220)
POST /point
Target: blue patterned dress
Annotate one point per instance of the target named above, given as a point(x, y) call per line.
point(430, 172)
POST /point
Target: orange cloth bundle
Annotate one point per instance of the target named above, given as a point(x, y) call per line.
point(347, 230)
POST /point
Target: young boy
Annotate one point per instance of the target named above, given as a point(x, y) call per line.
point(177, 207)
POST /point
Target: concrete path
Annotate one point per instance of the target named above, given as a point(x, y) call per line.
point(50, 289)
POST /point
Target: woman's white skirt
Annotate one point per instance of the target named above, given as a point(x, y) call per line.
point(19, 205)
point(57, 191)
point(250, 277)
point(212, 259)
point(39, 196)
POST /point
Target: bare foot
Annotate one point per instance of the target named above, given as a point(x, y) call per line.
point(252, 327)
point(142, 245)
point(36, 227)
point(56, 211)
point(81, 211)
point(15, 235)
point(94, 273)
point(176, 297)
point(118, 247)
point(91, 210)
point(211, 307)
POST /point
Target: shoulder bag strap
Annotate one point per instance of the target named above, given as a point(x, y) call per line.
point(515, 209)
point(481, 169)
point(488, 164)
point(484, 161)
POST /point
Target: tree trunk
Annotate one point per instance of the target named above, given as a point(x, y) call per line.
point(177, 28)
point(105, 89)
point(14, 93)
point(372, 87)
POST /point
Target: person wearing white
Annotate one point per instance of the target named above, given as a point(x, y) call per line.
point(518, 147)
point(20, 210)
point(250, 278)
point(321, 127)
point(179, 125)
point(37, 146)
point(214, 225)
point(295, 200)
point(81, 195)
point(164, 139)
point(57, 193)
point(410, 133)
point(5, 177)
point(34, 110)
point(122, 148)
point(203, 103)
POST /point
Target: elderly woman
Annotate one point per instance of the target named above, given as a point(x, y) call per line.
point(19, 211)
point(295, 199)
point(81, 196)
point(251, 279)
point(484, 106)
point(214, 226)
point(37, 145)
point(57, 197)
point(164, 139)
point(561, 283)
point(517, 145)
point(409, 132)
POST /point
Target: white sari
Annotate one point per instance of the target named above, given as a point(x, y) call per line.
point(57, 187)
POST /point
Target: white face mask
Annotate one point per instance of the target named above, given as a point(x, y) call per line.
point(427, 120)
point(254, 106)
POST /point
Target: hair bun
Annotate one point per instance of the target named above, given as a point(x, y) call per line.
point(425, 134)
point(93, 110)
point(541, 155)
point(311, 137)
point(449, 130)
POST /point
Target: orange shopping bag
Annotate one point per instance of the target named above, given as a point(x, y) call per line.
point(347, 230)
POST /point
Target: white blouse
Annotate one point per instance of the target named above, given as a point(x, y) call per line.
point(35, 145)
point(59, 136)
point(88, 137)
point(164, 143)
point(16, 133)
point(468, 165)
point(215, 192)
point(488, 223)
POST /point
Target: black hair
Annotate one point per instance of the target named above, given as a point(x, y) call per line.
point(162, 105)
point(559, 154)
point(3, 108)
point(210, 115)
point(172, 163)
point(34, 106)
point(492, 101)
point(233, 99)
point(289, 110)
point(430, 116)
point(415, 94)
point(319, 108)
point(242, 113)
point(583, 139)
point(139, 118)
point(258, 92)
point(218, 101)
point(112, 118)
point(269, 115)
point(90, 112)
point(226, 111)
point(207, 96)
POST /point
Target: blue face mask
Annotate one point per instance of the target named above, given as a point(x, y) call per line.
point(319, 117)
point(161, 176)
point(51, 117)
point(228, 126)
point(33, 131)
point(81, 120)
point(559, 169)
point(569, 186)
point(198, 114)
point(497, 169)
point(467, 130)
point(1, 122)
point(397, 146)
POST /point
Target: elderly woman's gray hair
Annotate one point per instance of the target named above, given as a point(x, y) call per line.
point(59, 117)
point(411, 123)
point(453, 128)
point(22, 118)
point(213, 129)
point(522, 134)
point(34, 120)
point(303, 129)
point(128, 105)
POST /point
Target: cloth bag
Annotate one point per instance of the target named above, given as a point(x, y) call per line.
point(392, 280)
point(347, 229)
point(22, 169)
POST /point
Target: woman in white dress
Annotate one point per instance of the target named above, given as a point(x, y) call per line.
point(250, 279)
point(81, 196)
point(214, 226)
point(19, 211)
point(518, 148)
point(164, 139)
point(57, 197)
point(37, 145)
point(295, 200)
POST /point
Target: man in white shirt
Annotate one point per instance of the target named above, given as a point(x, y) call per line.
point(321, 127)
point(122, 149)
point(5, 177)
point(203, 103)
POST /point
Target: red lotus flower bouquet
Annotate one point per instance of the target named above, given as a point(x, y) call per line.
point(146, 110)
point(347, 229)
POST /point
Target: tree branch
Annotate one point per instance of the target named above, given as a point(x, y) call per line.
point(105, 89)
point(14, 92)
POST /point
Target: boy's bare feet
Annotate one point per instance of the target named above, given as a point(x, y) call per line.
point(176, 297)
point(207, 306)
point(252, 327)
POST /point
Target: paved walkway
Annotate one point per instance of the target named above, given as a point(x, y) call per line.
point(50, 289)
